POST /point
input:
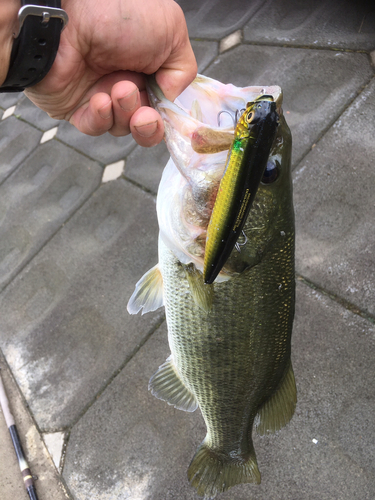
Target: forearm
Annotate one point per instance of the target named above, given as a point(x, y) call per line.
point(8, 26)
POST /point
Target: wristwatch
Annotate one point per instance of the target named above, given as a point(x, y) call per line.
point(35, 45)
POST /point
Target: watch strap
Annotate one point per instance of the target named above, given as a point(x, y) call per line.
point(35, 48)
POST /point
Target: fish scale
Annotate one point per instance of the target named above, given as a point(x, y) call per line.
point(225, 335)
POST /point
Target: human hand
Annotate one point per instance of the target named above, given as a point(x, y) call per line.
point(8, 26)
point(96, 81)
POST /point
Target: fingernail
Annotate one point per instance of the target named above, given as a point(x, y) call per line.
point(147, 130)
point(128, 103)
point(106, 111)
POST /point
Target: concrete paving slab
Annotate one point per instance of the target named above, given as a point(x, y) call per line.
point(335, 207)
point(130, 445)
point(104, 148)
point(40, 196)
point(30, 113)
point(214, 19)
point(316, 23)
point(318, 84)
point(48, 484)
point(17, 141)
point(65, 329)
point(145, 165)
point(205, 52)
point(9, 99)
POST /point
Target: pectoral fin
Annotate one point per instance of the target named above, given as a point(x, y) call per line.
point(148, 293)
point(166, 384)
point(279, 409)
point(201, 293)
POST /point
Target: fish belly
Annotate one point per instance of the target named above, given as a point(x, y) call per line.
point(234, 359)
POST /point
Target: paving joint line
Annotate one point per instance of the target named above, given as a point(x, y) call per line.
point(30, 414)
point(115, 374)
point(346, 304)
point(138, 185)
point(95, 160)
point(18, 166)
point(331, 124)
point(32, 257)
point(73, 148)
point(158, 323)
point(281, 45)
point(306, 47)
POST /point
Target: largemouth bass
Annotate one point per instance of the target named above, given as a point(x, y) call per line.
point(230, 341)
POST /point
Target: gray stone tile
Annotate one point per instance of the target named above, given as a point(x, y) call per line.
point(40, 196)
point(32, 114)
point(317, 23)
point(10, 99)
point(205, 52)
point(65, 329)
point(335, 206)
point(131, 445)
point(104, 148)
point(48, 484)
point(317, 84)
point(215, 19)
point(145, 165)
point(17, 141)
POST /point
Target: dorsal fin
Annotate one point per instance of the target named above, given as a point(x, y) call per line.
point(148, 293)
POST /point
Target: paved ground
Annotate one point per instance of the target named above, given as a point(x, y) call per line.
point(76, 365)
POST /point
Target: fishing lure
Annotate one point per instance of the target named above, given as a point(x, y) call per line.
point(244, 169)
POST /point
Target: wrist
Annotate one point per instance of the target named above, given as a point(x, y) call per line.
point(8, 26)
point(35, 45)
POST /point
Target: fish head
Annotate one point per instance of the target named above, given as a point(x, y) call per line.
point(199, 130)
point(271, 217)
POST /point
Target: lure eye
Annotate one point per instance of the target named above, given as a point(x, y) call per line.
point(272, 172)
point(249, 117)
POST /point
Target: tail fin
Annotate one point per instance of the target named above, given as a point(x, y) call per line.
point(212, 473)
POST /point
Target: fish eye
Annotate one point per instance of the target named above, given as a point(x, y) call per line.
point(272, 172)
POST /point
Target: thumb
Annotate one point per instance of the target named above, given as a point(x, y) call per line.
point(177, 72)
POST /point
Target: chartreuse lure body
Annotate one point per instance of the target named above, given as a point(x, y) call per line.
point(246, 161)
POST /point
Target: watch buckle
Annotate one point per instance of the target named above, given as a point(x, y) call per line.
point(46, 13)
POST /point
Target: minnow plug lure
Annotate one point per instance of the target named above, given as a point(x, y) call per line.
point(244, 169)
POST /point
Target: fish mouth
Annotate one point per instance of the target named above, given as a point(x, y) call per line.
point(199, 131)
point(154, 92)
point(233, 204)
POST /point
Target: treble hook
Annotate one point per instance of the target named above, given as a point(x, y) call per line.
point(239, 245)
point(239, 112)
point(228, 113)
point(234, 117)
